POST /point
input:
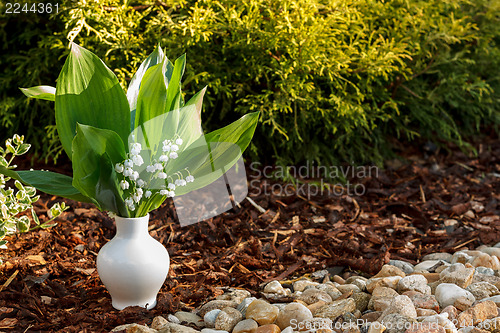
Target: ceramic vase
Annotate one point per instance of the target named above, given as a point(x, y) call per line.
point(133, 265)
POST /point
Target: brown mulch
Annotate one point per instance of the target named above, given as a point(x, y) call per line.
point(437, 200)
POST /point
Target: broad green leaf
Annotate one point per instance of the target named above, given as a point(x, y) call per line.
point(173, 83)
point(152, 96)
point(88, 93)
point(95, 153)
point(48, 182)
point(156, 57)
point(41, 92)
point(215, 153)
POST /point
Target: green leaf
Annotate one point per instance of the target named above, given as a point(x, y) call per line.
point(156, 57)
point(41, 92)
point(23, 223)
point(23, 149)
point(152, 95)
point(95, 153)
point(48, 182)
point(215, 153)
point(173, 83)
point(35, 217)
point(88, 93)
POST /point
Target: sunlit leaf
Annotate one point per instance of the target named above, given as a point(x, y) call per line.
point(41, 92)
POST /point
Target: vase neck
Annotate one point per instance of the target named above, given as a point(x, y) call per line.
point(131, 227)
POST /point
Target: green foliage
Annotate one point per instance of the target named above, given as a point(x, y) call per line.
point(335, 81)
point(104, 132)
point(13, 202)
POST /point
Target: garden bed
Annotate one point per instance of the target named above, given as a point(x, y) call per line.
point(440, 200)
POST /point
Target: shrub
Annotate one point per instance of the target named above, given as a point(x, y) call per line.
point(335, 81)
point(14, 202)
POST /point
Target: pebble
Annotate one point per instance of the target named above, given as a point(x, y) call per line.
point(293, 312)
point(227, 319)
point(216, 304)
point(415, 282)
point(245, 326)
point(336, 309)
point(300, 285)
point(190, 318)
point(406, 267)
point(477, 313)
point(274, 287)
point(313, 295)
point(210, 316)
point(445, 293)
point(262, 312)
point(458, 274)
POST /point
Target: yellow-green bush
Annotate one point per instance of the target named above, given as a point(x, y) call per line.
point(334, 80)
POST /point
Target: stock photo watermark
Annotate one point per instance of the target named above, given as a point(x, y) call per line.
point(309, 180)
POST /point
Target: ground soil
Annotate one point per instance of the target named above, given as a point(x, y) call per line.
point(437, 199)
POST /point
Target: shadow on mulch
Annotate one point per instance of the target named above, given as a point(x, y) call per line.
point(437, 201)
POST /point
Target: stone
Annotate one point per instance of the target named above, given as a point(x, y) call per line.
point(376, 327)
point(425, 312)
point(313, 307)
point(406, 267)
point(176, 328)
point(477, 313)
point(313, 295)
point(269, 328)
point(210, 316)
point(288, 330)
point(389, 270)
point(370, 317)
point(133, 328)
point(425, 265)
point(242, 307)
point(262, 312)
point(245, 326)
point(461, 257)
point(447, 293)
point(274, 287)
point(330, 289)
point(463, 303)
point(438, 256)
point(227, 319)
point(216, 304)
point(451, 311)
point(348, 287)
point(492, 251)
point(301, 285)
point(293, 312)
point(381, 298)
point(441, 320)
point(484, 270)
point(402, 305)
point(415, 282)
point(482, 290)
point(425, 328)
point(158, 322)
point(319, 325)
point(457, 274)
point(485, 260)
point(397, 323)
point(233, 294)
point(211, 330)
point(173, 319)
point(336, 309)
point(390, 282)
point(190, 318)
point(361, 299)
point(423, 301)
point(495, 299)
point(495, 280)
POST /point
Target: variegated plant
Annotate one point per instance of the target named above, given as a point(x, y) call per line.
point(130, 151)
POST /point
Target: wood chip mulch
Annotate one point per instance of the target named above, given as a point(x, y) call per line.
point(437, 200)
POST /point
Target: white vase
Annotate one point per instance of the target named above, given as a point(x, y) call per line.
point(133, 265)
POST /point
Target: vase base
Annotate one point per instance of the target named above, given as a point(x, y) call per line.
point(122, 305)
